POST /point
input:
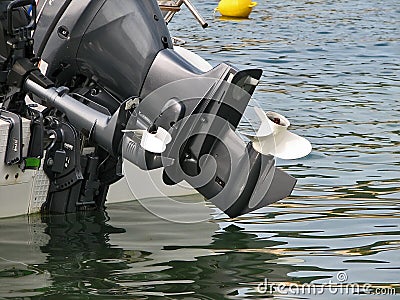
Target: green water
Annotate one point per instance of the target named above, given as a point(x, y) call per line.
point(332, 68)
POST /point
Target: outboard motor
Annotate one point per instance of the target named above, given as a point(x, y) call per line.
point(115, 88)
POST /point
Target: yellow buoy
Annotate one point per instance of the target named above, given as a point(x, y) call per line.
point(235, 8)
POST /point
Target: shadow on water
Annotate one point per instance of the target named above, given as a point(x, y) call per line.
point(130, 253)
point(83, 255)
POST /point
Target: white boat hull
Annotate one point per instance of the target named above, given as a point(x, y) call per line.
point(25, 192)
point(27, 196)
point(145, 184)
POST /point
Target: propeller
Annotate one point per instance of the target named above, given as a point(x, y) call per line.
point(274, 138)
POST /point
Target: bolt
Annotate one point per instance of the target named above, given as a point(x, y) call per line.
point(50, 162)
point(164, 40)
point(94, 92)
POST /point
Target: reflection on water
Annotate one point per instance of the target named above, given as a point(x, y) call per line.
point(331, 67)
point(89, 253)
point(130, 253)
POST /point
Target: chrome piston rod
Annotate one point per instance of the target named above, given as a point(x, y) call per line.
point(98, 125)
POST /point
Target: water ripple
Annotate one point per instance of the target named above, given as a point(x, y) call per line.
point(332, 67)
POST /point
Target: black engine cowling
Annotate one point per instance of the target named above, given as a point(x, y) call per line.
point(113, 43)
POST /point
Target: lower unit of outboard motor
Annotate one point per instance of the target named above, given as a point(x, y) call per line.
point(116, 89)
point(192, 137)
point(187, 126)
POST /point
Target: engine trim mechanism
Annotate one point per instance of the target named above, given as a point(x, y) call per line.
point(165, 109)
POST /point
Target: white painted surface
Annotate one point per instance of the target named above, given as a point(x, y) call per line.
point(15, 185)
point(139, 184)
